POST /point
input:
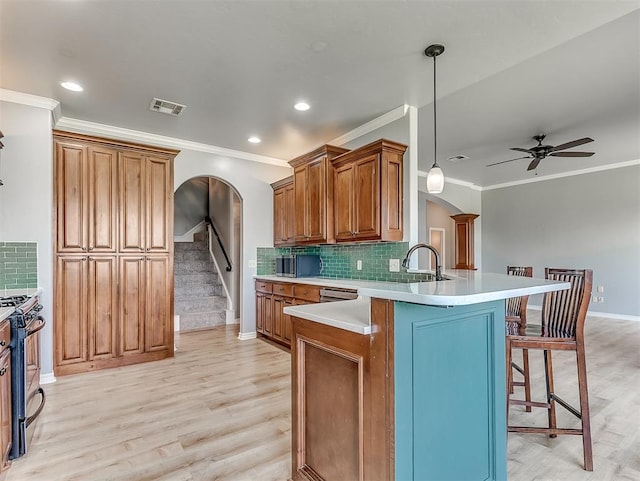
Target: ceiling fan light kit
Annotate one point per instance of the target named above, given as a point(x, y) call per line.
point(540, 151)
point(435, 177)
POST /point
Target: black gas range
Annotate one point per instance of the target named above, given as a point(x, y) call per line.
point(26, 324)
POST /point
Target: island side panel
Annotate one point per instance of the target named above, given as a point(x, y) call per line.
point(342, 398)
point(450, 416)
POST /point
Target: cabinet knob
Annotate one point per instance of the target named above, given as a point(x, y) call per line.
point(3, 343)
point(2, 371)
point(84, 258)
point(84, 249)
point(91, 248)
point(91, 258)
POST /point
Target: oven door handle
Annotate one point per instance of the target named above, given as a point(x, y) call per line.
point(39, 325)
point(33, 417)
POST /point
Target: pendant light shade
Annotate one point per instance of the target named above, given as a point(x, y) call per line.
point(435, 180)
point(435, 177)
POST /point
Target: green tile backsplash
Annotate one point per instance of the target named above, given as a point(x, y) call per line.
point(340, 261)
point(18, 265)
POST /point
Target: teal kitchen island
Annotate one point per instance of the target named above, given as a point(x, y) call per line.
point(405, 383)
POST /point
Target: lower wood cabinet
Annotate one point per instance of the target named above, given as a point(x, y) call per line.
point(271, 299)
point(5, 395)
point(112, 311)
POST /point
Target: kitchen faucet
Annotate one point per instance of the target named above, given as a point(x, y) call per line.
point(405, 262)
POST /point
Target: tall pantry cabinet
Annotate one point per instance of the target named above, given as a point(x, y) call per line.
point(114, 253)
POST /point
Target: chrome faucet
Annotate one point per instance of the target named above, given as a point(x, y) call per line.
point(405, 262)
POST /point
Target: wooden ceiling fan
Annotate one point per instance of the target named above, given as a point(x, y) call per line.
point(539, 152)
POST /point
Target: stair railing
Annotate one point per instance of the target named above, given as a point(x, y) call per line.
point(212, 232)
point(209, 222)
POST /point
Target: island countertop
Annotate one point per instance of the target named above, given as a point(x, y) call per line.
point(461, 288)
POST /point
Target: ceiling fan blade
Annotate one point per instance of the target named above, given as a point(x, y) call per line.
point(571, 144)
point(534, 163)
point(572, 154)
point(518, 149)
point(510, 160)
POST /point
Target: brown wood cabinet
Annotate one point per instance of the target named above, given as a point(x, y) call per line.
point(5, 395)
point(283, 212)
point(271, 298)
point(313, 191)
point(114, 253)
point(464, 240)
point(368, 193)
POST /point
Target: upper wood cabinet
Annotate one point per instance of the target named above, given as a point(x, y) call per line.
point(86, 186)
point(283, 212)
point(464, 240)
point(313, 190)
point(368, 193)
point(146, 203)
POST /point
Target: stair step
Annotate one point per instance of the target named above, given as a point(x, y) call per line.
point(199, 304)
point(190, 246)
point(192, 278)
point(191, 255)
point(192, 267)
point(197, 290)
point(199, 320)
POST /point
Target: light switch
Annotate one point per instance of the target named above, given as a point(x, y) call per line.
point(253, 263)
point(359, 265)
point(394, 265)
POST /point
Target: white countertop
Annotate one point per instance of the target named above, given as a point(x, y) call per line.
point(349, 315)
point(6, 311)
point(464, 287)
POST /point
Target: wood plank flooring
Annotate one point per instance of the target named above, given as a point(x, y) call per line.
point(220, 410)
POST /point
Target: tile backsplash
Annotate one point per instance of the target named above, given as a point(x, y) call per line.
point(339, 261)
point(18, 265)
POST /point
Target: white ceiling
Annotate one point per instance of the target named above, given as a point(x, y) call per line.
point(511, 69)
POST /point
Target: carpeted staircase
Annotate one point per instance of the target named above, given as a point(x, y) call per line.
point(199, 296)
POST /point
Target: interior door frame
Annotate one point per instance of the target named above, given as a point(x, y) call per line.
point(441, 247)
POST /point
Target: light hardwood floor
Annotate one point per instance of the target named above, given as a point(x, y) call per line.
point(220, 410)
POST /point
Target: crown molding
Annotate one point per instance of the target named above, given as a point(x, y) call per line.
point(372, 125)
point(86, 127)
point(564, 174)
point(28, 99)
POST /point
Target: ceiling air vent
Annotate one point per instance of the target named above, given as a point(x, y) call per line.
point(457, 158)
point(166, 107)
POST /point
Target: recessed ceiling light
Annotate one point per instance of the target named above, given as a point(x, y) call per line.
point(302, 106)
point(74, 87)
point(254, 140)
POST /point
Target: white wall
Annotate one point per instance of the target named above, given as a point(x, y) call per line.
point(26, 199)
point(251, 180)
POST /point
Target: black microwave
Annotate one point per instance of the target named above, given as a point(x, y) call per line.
point(298, 265)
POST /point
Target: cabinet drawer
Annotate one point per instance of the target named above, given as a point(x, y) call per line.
point(283, 289)
point(306, 292)
point(5, 334)
point(262, 286)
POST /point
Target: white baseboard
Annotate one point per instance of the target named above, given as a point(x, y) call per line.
point(231, 317)
point(243, 336)
point(610, 315)
point(176, 323)
point(48, 378)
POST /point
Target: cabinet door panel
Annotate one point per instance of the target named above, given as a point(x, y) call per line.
point(267, 310)
point(290, 213)
point(71, 202)
point(102, 180)
point(5, 408)
point(102, 305)
point(343, 195)
point(286, 323)
point(278, 305)
point(132, 305)
point(71, 310)
point(260, 313)
point(159, 197)
point(366, 207)
point(393, 193)
point(279, 217)
point(159, 303)
point(316, 195)
point(300, 192)
point(132, 202)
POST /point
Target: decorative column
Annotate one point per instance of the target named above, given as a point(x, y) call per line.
point(464, 240)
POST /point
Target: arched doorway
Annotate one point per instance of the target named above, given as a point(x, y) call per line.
point(207, 253)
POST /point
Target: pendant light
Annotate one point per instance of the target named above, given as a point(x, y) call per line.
point(435, 177)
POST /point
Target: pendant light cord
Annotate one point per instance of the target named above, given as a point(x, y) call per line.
point(435, 125)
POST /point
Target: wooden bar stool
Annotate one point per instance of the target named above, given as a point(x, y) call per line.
point(516, 324)
point(563, 317)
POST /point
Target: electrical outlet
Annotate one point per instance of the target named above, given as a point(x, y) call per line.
point(394, 265)
point(600, 300)
point(253, 263)
point(595, 299)
point(359, 265)
point(600, 289)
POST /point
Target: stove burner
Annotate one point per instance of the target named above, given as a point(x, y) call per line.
point(13, 301)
